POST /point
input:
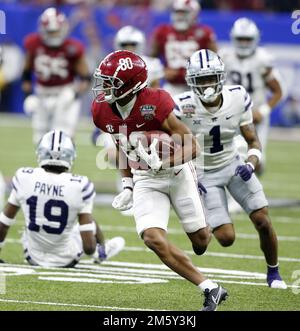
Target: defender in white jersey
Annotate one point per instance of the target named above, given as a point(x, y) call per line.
point(252, 66)
point(217, 112)
point(53, 202)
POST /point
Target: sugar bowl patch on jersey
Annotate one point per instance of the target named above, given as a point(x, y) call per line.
point(215, 131)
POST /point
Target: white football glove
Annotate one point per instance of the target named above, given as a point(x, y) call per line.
point(31, 104)
point(151, 159)
point(123, 201)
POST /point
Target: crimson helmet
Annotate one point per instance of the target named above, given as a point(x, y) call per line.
point(119, 74)
point(53, 27)
point(184, 13)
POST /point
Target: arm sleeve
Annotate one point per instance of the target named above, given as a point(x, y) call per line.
point(14, 197)
point(88, 195)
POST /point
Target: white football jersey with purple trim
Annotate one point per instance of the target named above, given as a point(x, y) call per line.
point(215, 130)
point(51, 204)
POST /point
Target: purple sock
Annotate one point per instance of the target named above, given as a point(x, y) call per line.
point(273, 274)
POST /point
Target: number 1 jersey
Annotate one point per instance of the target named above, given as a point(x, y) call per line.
point(215, 130)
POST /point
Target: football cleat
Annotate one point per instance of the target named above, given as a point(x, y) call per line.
point(213, 298)
point(111, 248)
point(275, 281)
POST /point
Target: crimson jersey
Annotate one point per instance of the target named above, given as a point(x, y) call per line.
point(175, 47)
point(151, 108)
point(53, 66)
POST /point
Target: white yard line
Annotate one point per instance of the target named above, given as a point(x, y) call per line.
point(217, 254)
point(71, 305)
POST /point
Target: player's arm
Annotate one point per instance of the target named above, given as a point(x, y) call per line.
point(88, 230)
point(275, 88)
point(7, 219)
point(182, 136)
point(82, 71)
point(27, 75)
point(123, 201)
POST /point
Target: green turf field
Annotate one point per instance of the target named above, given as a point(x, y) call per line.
point(135, 279)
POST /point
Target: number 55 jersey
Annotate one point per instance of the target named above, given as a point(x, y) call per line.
point(51, 204)
point(215, 129)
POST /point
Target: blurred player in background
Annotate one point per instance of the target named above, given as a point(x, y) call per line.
point(53, 202)
point(217, 112)
point(123, 106)
point(252, 66)
point(56, 61)
point(174, 43)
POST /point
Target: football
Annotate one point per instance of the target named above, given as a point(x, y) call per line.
point(165, 147)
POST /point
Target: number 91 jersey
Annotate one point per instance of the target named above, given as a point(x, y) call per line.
point(215, 130)
point(53, 66)
point(51, 204)
point(250, 72)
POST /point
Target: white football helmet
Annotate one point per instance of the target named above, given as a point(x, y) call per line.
point(56, 149)
point(184, 13)
point(245, 36)
point(131, 39)
point(205, 74)
point(53, 27)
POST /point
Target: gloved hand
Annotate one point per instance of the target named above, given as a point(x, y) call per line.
point(31, 104)
point(100, 254)
point(96, 133)
point(151, 159)
point(123, 201)
point(245, 171)
point(201, 188)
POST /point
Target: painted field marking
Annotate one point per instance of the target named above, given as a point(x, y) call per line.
point(71, 305)
point(110, 272)
point(216, 254)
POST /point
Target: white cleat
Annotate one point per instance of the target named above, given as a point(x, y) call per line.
point(114, 246)
point(280, 284)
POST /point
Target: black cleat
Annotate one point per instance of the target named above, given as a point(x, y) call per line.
point(214, 298)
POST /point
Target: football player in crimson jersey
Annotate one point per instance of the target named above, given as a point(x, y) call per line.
point(124, 106)
point(174, 43)
point(56, 61)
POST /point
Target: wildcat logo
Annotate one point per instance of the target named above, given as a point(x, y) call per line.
point(148, 112)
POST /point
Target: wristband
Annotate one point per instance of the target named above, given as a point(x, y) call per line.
point(88, 227)
point(127, 182)
point(1, 244)
point(6, 220)
point(256, 152)
point(264, 110)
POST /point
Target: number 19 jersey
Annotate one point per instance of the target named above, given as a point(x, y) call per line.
point(51, 204)
point(215, 130)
